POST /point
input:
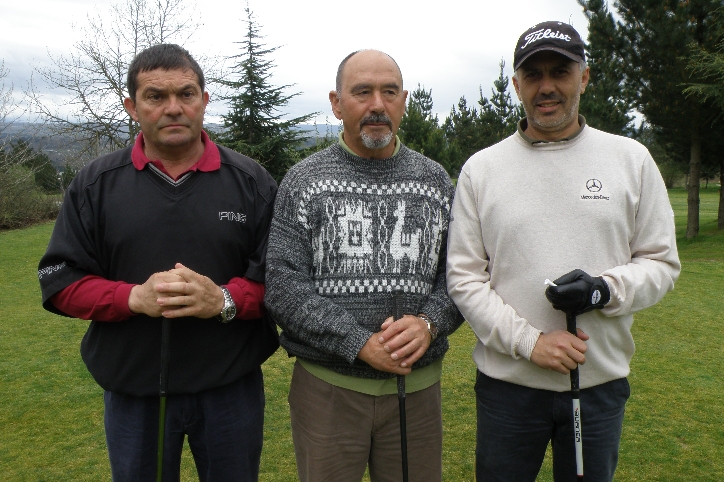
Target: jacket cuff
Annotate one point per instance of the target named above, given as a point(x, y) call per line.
point(527, 342)
point(120, 300)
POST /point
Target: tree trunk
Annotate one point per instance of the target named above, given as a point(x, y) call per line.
point(692, 220)
point(720, 218)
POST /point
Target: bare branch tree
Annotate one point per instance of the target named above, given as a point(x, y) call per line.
point(8, 112)
point(21, 200)
point(93, 76)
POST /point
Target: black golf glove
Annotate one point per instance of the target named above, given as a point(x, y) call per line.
point(578, 292)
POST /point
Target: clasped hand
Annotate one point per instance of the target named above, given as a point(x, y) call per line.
point(397, 346)
point(177, 293)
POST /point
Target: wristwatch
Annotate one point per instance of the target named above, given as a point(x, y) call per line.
point(228, 312)
point(431, 327)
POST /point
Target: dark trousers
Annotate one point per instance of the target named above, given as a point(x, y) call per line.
point(224, 427)
point(516, 423)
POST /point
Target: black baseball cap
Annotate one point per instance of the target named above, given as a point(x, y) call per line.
point(556, 36)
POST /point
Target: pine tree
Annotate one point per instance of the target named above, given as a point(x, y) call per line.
point(498, 115)
point(254, 124)
point(606, 104)
point(653, 40)
point(420, 130)
point(462, 133)
point(469, 130)
point(708, 67)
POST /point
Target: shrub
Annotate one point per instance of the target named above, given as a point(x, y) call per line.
point(22, 202)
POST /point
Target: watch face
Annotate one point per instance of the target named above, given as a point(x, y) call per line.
point(231, 312)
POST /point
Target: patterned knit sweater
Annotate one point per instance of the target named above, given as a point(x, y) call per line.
point(346, 233)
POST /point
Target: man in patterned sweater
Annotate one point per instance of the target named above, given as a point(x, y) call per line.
point(352, 224)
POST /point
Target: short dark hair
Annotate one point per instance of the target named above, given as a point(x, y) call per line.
point(161, 56)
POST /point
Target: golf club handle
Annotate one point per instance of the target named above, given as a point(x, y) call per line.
point(571, 327)
point(571, 323)
point(398, 298)
point(398, 303)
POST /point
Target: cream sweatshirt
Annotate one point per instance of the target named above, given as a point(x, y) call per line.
point(525, 212)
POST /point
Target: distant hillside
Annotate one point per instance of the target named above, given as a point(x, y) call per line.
point(39, 137)
point(58, 148)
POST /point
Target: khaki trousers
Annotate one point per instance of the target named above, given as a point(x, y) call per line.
point(338, 432)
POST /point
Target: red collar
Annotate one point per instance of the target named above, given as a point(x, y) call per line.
point(210, 160)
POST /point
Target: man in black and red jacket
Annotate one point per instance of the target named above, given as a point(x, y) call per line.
point(173, 227)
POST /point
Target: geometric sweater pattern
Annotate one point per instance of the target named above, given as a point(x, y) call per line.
point(347, 233)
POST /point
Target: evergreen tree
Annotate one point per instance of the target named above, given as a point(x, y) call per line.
point(70, 170)
point(708, 67)
point(420, 130)
point(462, 133)
point(469, 130)
point(498, 116)
point(606, 104)
point(653, 40)
point(667, 159)
point(254, 124)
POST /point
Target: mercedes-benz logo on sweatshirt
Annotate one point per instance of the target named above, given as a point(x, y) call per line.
point(594, 185)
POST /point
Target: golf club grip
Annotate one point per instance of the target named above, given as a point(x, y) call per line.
point(571, 327)
point(398, 298)
point(571, 323)
point(398, 303)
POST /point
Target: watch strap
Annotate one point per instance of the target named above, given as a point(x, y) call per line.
point(228, 312)
point(431, 326)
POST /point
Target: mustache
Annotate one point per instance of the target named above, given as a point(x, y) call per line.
point(548, 97)
point(376, 119)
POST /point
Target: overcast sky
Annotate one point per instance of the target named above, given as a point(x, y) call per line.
point(452, 46)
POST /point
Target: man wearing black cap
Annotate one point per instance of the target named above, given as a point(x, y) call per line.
point(555, 197)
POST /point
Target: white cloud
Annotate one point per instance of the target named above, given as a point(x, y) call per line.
point(451, 47)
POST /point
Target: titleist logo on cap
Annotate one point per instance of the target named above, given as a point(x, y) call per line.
point(555, 36)
point(544, 34)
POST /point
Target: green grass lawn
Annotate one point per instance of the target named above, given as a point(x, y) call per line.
point(51, 410)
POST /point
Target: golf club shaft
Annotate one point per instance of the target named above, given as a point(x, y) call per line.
point(161, 430)
point(397, 300)
point(575, 396)
point(163, 386)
